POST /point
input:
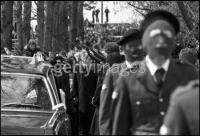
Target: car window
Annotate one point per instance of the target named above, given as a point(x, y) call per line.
point(24, 92)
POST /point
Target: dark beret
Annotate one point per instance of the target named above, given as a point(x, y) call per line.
point(111, 47)
point(131, 35)
point(160, 15)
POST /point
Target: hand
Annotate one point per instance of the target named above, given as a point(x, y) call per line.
point(75, 99)
point(92, 101)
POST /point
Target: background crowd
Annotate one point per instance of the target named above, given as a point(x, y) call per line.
point(83, 92)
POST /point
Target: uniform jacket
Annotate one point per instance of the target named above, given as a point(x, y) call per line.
point(106, 97)
point(139, 104)
point(182, 117)
point(114, 59)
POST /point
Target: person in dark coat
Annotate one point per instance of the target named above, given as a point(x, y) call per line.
point(113, 57)
point(142, 93)
point(107, 12)
point(62, 80)
point(97, 15)
point(182, 116)
point(84, 85)
point(132, 48)
point(93, 16)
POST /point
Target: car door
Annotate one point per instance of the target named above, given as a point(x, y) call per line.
point(21, 122)
point(26, 105)
point(59, 122)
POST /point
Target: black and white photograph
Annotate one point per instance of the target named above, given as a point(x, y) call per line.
point(100, 68)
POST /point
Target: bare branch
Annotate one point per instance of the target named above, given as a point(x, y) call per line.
point(145, 9)
point(139, 12)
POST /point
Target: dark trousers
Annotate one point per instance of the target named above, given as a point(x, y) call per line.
point(85, 120)
point(74, 122)
point(107, 18)
point(93, 19)
point(97, 19)
point(94, 128)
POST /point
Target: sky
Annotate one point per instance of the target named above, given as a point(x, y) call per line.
point(119, 13)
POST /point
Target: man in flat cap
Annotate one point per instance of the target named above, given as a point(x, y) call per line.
point(131, 45)
point(142, 93)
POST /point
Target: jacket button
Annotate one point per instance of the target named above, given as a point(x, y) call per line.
point(162, 113)
point(161, 99)
point(138, 102)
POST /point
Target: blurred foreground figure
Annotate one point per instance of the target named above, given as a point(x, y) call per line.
point(142, 93)
point(182, 117)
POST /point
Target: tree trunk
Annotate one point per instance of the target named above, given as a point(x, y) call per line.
point(48, 26)
point(74, 26)
point(19, 26)
point(27, 21)
point(6, 24)
point(81, 20)
point(184, 13)
point(40, 23)
point(59, 39)
point(66, 22)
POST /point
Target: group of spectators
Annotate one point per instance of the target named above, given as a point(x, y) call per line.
point(100, 101)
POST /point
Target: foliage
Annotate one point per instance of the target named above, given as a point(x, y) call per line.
point(89, 5)
point(186, 36)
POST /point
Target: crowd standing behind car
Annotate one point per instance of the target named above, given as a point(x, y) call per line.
point(80, 73)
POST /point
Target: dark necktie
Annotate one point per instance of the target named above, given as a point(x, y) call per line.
point(159, 76)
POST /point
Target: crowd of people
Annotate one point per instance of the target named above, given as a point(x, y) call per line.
point(130, 87)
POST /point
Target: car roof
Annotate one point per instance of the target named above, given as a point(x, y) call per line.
point(21, 64)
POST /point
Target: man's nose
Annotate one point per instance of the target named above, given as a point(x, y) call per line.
point(161, 39)
point(161, 42)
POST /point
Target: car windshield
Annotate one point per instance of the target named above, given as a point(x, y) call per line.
point(24, 92)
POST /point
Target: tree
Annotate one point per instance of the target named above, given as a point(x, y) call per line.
point(80, 20)
point(74, 23)
point(19, 25)
point(189, 21)
point(40, 23)
point(89, 5)
point(6, 24)
point(26, 21)
point(59, 26)
point(186, 11)
point(48, 26)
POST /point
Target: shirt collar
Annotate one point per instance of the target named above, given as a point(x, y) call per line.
point(128, 64)
point(153, 68)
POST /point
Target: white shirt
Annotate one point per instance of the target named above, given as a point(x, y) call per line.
point(128, 64)
point(153, 68)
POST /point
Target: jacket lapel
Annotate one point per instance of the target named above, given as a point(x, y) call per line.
point(171, 80)
point(146, 79)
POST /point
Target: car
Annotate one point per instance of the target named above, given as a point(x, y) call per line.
point(29, 99)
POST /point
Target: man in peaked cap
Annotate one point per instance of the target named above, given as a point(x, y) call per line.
point(131, 45)
point(142, 96)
